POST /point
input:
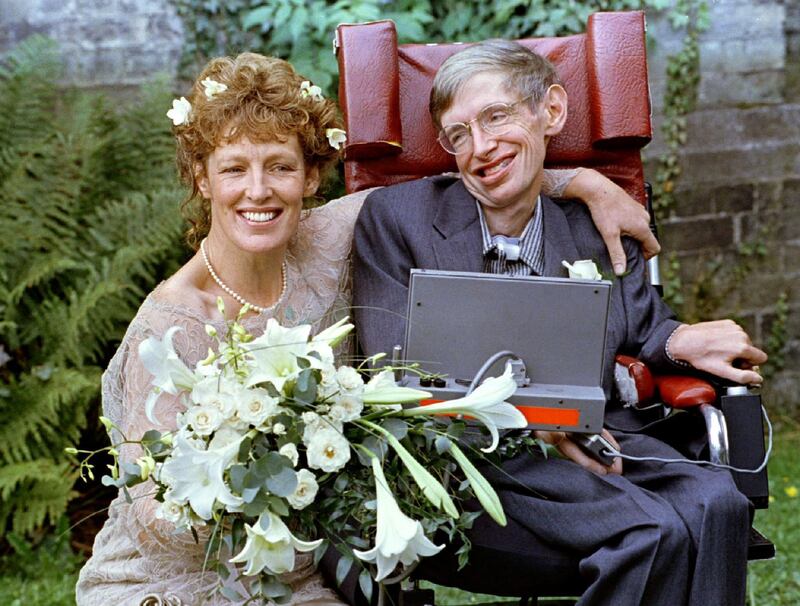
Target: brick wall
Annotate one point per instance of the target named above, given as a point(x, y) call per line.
point(741, 169)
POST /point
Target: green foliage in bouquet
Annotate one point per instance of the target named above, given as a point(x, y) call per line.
point(280, 452)
point(89, 222)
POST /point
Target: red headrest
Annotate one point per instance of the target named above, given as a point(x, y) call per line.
point(384, 90)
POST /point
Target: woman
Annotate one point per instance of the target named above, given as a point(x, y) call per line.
point(254, 141)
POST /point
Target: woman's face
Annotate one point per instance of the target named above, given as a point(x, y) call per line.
point(256, 192)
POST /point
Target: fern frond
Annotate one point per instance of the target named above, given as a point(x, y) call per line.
point(28, 94)
point(45, 415)
point(44, 484)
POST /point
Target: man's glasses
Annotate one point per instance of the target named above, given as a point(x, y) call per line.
point(495, 119)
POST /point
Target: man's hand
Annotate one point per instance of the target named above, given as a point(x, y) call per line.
point(572, 451)
point(721, 348)
point(615, 214)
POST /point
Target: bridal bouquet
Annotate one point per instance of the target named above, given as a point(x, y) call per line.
point(279, 451)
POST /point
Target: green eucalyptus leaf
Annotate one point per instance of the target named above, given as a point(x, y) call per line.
point(366, 583)
point(305, 388)
point(237, 478)
point(283, 482)
point(278, 506)
point(397, 427)
point(343, 567)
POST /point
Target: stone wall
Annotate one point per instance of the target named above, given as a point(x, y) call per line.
point(741, 171)
point(104, 42)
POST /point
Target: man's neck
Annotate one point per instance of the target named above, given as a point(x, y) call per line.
point(509, 222)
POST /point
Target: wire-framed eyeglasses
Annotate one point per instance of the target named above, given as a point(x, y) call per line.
point(495, 119)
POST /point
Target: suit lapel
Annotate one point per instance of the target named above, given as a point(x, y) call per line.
point(459, 246)
point(559, 244)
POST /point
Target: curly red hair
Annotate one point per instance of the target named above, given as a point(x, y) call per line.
point(263, 102)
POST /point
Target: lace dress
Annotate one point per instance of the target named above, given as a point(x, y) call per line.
point(138, 559)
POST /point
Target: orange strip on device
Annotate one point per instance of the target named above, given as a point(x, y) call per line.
point(539, 415)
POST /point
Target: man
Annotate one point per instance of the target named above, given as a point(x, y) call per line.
point(653, 534)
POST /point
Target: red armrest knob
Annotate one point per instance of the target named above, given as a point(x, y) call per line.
point(680, 391)
point(635, 383)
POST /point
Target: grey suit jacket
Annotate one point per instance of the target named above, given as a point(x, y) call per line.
point(433, 224)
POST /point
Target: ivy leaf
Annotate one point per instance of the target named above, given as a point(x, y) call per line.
point(258, 16)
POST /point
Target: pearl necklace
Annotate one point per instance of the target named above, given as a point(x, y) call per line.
point(235, 295)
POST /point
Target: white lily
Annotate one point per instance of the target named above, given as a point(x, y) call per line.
point(270, 545)
point(381, 389)
point(584, 269)
point(431, 487)
point(486, 403)
point(480, 486)
point(336, 137)
point(212, 88)
point(275, 354)
point(170, 374)
point(195, 476)
point(181, 111)
point(398, 539)
point(334, 334)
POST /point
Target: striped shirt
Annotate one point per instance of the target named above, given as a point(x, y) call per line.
point(531, 242)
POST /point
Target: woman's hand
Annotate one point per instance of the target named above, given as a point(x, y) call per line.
point(615, 214)
point(721, 348)
point(572, 451)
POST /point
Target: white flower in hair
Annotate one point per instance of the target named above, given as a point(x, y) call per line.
point(310, 90)
point(181, 111)
point(212, 87)
point(336, 137)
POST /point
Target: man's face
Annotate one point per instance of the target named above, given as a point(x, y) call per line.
point(504, 171)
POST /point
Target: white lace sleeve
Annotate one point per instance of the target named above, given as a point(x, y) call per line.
point(555, 181)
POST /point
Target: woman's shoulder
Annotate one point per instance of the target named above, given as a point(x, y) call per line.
point(181, 293)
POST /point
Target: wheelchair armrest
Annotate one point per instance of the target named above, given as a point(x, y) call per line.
point(682, 391)
point(638, 386)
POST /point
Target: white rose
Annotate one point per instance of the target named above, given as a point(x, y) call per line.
point(346, 408)
point(349, 379)
point(327, 450)
point(255, 406)
point(204, 419)
point(328, 386)
point(216, 392)
point(306, 490)
point(314, 423)
point(290, 452)
point(174, 513)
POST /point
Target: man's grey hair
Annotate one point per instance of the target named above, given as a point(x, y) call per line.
point(527, 72)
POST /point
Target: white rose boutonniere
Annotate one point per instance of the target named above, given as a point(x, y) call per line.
point(584, 269)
